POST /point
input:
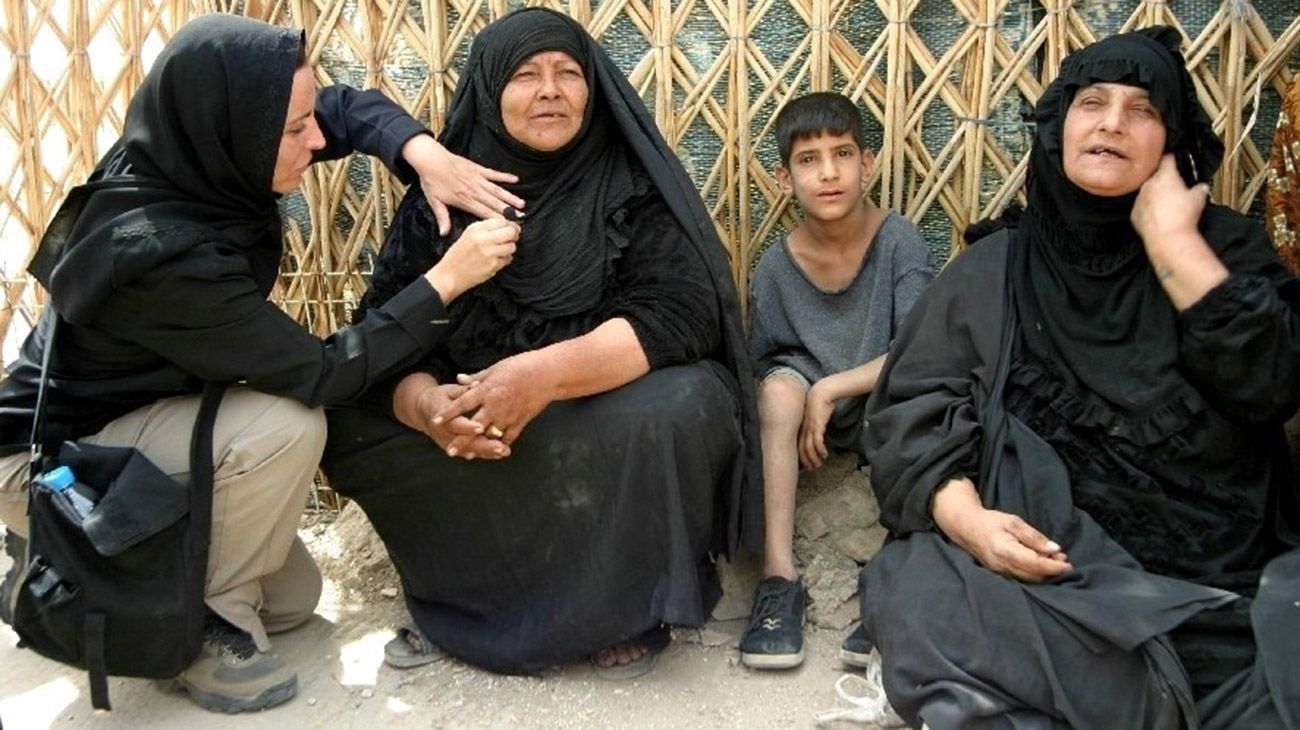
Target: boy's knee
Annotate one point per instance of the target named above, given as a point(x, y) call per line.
point(780, 401)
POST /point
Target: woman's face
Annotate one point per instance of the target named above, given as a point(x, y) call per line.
point(301, 134)
point(1113, 139)
point(544, 100)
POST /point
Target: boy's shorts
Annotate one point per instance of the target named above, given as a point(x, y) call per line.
point(847, 427)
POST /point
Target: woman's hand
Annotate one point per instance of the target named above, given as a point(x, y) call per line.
point(1166, 210)
point(482, 250)
point(817, 409)
point(449, 179)
point(417, 401)
point(504, 398)
point(1165, 214)
point(1001, 542)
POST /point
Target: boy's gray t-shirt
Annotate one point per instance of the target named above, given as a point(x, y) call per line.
point(816, 332)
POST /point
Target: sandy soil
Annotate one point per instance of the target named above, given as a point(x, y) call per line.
point(698, 681)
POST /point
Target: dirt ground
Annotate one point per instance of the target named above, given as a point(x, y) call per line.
point(698, 681)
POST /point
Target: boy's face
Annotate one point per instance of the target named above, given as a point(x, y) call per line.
point(825, 174)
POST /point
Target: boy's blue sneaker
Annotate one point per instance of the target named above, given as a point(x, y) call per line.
point(774, 639)
point(856, 649)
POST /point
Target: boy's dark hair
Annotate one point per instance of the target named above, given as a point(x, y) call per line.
point(811, 115)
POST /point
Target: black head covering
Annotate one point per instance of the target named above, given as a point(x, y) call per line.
point(1089, 303)
point(559, 265)
point(195, 162)
point(571, 192)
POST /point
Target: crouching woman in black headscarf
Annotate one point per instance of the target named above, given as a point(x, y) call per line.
point(158, 271)
point(560, 502)
point(1093, 521)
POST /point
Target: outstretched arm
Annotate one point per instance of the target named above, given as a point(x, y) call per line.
point(371, 123)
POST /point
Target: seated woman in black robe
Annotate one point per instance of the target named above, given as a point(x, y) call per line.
point(1077, 439)
point(565, 505)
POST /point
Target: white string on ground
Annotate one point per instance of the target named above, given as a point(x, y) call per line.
point(869, 704)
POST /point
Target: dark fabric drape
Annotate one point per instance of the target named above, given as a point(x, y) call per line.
point(594, 530)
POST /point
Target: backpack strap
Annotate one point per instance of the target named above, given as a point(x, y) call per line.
point(94, 637)
point(201, 479)
point(200, 525)
point(38, 411)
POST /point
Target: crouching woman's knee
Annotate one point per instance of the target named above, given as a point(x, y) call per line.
point(278, 436)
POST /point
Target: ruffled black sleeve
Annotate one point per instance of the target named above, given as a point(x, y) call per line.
point(1240, 343)
point(663, 288)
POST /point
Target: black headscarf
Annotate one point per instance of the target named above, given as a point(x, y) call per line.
point(1089, 303)
point(559, 265)
point(194, 163)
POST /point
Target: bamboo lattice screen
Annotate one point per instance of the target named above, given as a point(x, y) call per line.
point(946, 85)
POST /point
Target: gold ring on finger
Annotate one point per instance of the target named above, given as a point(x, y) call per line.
point(494, 432)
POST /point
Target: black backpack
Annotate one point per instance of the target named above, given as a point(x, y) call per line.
point(119, 590)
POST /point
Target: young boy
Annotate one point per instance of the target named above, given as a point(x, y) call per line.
point(826, 302)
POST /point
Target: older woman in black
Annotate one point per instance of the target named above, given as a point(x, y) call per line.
point(1092, 515)
point(564, 497)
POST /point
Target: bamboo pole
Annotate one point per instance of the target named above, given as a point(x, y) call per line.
point(741, 150)
point(1232, 66)
point(892, 170)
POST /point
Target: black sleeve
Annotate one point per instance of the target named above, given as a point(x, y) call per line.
point(204, 312)
point(366, 122)
point(923, 424)
point(664, 289)
point(1240, 343)
point(411, 248)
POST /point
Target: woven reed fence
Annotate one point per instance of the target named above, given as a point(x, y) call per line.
point(947, 85)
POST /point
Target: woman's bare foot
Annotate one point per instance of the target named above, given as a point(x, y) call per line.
point(620, 654)
point(634, 657)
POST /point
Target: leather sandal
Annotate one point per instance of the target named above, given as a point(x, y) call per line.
point(411, 648)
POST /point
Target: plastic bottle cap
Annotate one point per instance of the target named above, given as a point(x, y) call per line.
point(59, 478)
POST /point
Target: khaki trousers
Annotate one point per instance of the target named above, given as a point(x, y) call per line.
point(265, 451)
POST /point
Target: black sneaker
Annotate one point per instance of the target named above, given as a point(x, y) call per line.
point(16, 549)
point(231, 675)
point(856, 649)
point(774, 639)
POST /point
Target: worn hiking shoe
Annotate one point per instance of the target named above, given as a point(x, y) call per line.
point(774, 639)
point(855, 650)
point(16, 549)
point(231, 675)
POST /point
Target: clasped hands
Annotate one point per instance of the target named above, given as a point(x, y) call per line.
point(482, 414)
